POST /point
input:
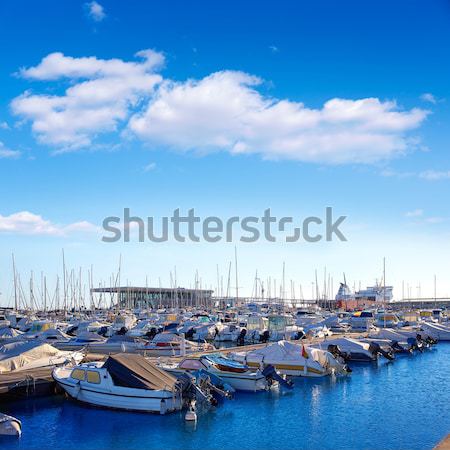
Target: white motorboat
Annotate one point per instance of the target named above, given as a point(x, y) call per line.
point(354, 350)
point(292, 359)
point(23, 355)
point(123, 381)
point(229, 333)
point(238, 376)
point(436, 330)
point(10, 426)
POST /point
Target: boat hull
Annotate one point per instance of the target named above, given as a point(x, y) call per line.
point(160, 402)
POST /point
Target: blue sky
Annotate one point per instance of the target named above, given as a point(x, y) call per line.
point(292, 106)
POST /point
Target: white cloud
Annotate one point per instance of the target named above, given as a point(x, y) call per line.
point(100, 96)
point(25, 222)
point(6, 153)
point(225, 111)
point(415, 213)
point(150, 167)
point(4, 126)
point(274, 48)
point(430, 98)
point(435, 175)
point(95, 11)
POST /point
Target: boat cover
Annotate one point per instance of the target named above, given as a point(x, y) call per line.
point(18, 354)
point(7, 333)
point(135, 371)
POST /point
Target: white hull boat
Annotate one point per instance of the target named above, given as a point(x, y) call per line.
point(436, 331)
point(124, 381)
point(238, 376)
point(353, 350)
point(24, 355)
point(292, 359)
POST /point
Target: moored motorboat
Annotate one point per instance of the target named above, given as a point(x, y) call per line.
point(292, 359)
point(123, 381)
point(238, 376)
point(354, 350)
point(23, 355)
point(436, 330)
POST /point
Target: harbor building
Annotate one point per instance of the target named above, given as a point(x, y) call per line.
point(150, 297)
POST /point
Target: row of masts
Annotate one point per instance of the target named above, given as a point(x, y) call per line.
point(73, 288)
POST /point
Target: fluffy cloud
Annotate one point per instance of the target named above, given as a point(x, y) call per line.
point(6, 153)
point(25, 222)
point(101, 95)
point(95, 11)
point(225, 111)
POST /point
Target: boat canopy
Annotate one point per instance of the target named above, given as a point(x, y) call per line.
point(134, 371)
point(18, 354)
point(225, 362)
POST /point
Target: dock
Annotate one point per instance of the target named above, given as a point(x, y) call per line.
point(27, 383)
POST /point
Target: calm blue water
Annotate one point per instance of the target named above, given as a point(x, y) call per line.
point(399, 405)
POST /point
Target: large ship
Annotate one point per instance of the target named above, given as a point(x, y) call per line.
point(364, 298)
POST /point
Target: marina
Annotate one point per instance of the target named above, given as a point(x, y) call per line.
point(267, 366)
point(403, 400)
point(222, 225)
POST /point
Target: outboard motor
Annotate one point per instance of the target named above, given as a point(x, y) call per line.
point(241, 337)
point(336, 352)
point(376, 349)
point(151, 333)
point(102, 331)
point(189, 333)
point(264, 337)
point(414, 344)
point(271, 375)
point(122, 331)
point(400, 349)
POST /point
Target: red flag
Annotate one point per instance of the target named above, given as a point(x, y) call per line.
point(304, 352)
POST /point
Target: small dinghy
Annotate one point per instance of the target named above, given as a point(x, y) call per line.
point(10, 426)
point(123, 381)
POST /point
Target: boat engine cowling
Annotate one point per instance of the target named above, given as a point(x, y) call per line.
point(376, 349)
point(189, 333)
point(241, 337)
point(337, 353)
point(264, 337)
